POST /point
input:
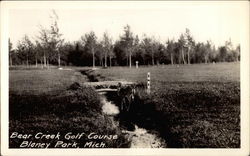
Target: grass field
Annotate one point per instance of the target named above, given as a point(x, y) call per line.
point(191, 106)
point(38, 81)
point(221, 72)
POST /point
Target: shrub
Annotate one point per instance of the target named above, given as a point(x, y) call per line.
point(80, 99)
point(75, 110)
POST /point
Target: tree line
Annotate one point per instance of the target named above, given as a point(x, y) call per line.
point(49, 48)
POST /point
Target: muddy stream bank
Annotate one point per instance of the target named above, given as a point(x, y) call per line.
point(139, 137)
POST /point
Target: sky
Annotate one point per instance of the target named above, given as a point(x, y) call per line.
point(215, 21)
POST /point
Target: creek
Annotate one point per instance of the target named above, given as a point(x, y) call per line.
point(139, 137)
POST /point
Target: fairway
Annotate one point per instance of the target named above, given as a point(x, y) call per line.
point(38, 81)
point(221, 72)
point(43, 81)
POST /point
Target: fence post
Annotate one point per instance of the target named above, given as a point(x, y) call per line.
point(148, 83)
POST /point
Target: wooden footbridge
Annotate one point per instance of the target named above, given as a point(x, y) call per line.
point(105, 86)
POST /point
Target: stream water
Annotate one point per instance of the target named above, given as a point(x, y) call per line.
point(139, 137)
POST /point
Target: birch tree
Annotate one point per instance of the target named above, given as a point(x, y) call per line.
point(182, 43)
point(128, 40)
point(107, 48)
point(90, 43)
point(55, 39)
point(170, 50)
point(189, 44)
point(43, 38)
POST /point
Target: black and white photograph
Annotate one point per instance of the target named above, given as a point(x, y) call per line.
point(125, 77)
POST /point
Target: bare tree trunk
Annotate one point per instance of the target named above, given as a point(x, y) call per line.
point(206, 59)
point(41, 61)
point(183, 57)
point(179, 58)
point(27, 59)
point(172, 59)
point(130, 64)
point(153, 62)
point(93, 58)
point(59, 59)
point(48, 62)
point(44, 59)
point(105, 60)
point(188, 55)
point(110, 61)
point(36, 61)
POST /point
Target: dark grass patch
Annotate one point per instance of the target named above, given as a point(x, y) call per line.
point(191, 115)
point(93, 76)
point(75, 110)
point(83, 100)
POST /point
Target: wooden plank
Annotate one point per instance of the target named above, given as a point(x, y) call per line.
point(106, 90)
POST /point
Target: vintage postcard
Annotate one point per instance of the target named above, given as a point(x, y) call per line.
point(125, 78)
